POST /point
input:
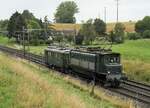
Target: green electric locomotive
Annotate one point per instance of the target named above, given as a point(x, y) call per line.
point(101, 66)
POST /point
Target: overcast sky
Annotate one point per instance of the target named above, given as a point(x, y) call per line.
point(128, 9)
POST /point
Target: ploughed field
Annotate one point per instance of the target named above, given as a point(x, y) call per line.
point(130, 26)
point(26, 85)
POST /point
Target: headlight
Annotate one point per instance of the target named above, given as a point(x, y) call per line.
point(108, 72)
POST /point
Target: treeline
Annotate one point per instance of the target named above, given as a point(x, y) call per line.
point(26, 27)
point(142, 29)
point(96, 30)
point(19, 23)
point(65, 13)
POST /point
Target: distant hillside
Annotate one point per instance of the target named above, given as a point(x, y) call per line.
point(72, 27)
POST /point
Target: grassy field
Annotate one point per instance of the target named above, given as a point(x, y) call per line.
point(134, 50)
point(136, 59)
point(24, 85)
point(4, 40)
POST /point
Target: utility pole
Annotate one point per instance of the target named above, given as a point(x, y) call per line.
point(117, 10)
point(46, 27)
point(23, 34)
point(28, 33)
point(99, 15)
point(105, 14)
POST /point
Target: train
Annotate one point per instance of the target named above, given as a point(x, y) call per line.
point(98, 65)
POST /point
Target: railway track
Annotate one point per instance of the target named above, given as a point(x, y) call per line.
point(135, 90)
point(138, 93)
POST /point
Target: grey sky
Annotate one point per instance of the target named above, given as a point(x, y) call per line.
point(128, 9)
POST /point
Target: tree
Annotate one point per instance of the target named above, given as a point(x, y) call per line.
point(88, 31)
point(16, 23)
point(28, 21)
point(3, 25)
point(99, 26)
point(79, 39)
point(118, 33)
point(143, 25)
point(146, 34)
point(133, 36)
point(28, 15)
point(65, 12)
point(33, 25)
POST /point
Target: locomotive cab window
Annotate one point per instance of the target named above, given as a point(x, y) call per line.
point(110, 59)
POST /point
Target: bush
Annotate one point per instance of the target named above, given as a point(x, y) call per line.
point(118, 34)
point(41, 41)
point(34, 42)
point(58, 38)
point(49, 41)
point(69, 38)
point(146, 34)
point(133, 36)
point(79, 39)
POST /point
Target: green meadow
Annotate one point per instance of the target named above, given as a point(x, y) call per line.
point(25, 85)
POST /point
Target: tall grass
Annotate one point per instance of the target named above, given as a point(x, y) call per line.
point(135, 59)
point(25, 86)
point(99, 93)
point(33, 91)
point(137, 70)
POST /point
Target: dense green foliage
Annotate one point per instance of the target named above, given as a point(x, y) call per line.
point(79, 39)
point(146, 34)
point(143, 27)
point(99, 26)
point(15, 24)
point(65, 12)
point(19, 23)
point(88, 32)
point(133, 36)
point(3, 25)
point(118, 34)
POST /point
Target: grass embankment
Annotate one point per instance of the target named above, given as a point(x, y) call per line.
point(136, 59)
point(24, 85)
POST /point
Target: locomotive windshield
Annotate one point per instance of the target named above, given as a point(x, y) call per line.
point(111, 59)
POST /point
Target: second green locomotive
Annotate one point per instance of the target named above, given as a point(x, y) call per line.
point(101, 66)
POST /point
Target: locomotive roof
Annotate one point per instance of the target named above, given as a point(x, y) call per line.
point(94, 52)
point(59, 50)
point(67, 50)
